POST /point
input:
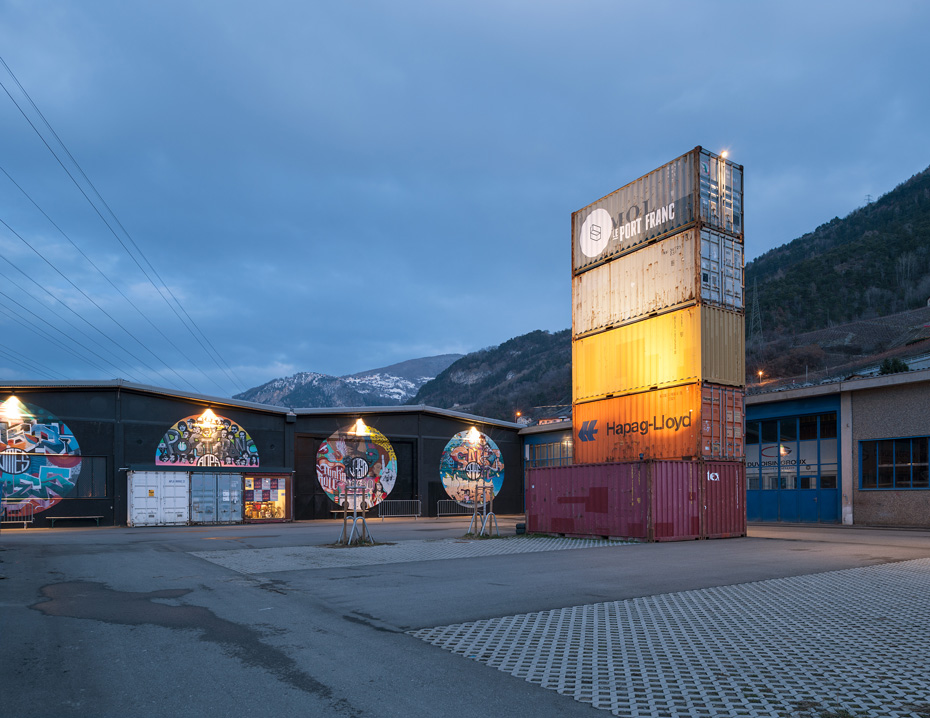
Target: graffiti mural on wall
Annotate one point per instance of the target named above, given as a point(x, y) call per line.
point(470, 467)
point(206, 440)
point(39, 457)
point(357, 465)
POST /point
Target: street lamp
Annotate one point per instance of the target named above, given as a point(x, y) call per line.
point(760, 376)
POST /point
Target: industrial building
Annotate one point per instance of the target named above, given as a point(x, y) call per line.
point(117, 453)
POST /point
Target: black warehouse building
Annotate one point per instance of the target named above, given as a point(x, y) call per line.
point(118, 453)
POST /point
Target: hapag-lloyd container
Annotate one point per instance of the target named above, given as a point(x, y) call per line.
point(692, 421)
point(699, 186)
point(697, 265)
point(698, 343)
point(645, 500)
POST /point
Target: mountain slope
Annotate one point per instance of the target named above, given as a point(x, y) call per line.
point(530, 370)
point(386, 386)
point(875, 261)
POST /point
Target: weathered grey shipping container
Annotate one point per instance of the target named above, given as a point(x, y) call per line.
point(694, 266)
point(699, 186)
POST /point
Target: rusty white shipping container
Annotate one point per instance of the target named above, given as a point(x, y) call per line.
point(694, 266)
point(695, 421)
point(698, 343)
point(644, 500)
point(698, 187)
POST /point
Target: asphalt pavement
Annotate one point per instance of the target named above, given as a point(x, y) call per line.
point(186, 621)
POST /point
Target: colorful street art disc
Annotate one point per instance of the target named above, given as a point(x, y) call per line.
point(358, 465)
point(471, 468)
point(39, 457)
point(206, 440)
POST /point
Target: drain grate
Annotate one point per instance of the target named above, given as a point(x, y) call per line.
point(856, 640)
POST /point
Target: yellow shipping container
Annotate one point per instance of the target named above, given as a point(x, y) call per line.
point(697, 344)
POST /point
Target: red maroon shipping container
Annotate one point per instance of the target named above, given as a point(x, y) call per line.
point(644, 500)
point(694, 421)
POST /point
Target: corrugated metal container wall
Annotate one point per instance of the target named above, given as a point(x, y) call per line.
point(692, 344)
point(658, 278)
point(646, 500)
point(721, 270)
point(721, 189)
point(687, 421)
point(724, 499)
point(659, 203)
point(698, 186)
point(598, 500)
point(676, 500)
point(722, 428)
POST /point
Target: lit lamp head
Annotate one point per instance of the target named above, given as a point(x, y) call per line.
point(360, 429)
point(473, 437)
point(11, 411)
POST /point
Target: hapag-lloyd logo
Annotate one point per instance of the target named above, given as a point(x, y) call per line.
point(666, 423)
point(599, 227)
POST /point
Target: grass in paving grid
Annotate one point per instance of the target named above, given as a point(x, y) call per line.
point(299, 558)
point(833, 645)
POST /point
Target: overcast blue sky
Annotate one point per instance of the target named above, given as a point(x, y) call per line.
point(336, 186)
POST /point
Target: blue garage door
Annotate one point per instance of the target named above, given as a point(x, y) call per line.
point(792, 469)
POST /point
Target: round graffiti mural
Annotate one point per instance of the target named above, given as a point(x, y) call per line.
point(206, 440)
point(471, 468)
point(357, 465)
point(39, 457)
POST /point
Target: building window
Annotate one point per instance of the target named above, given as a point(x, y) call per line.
point(554, 454)
point(792, 453)
point(894, 463)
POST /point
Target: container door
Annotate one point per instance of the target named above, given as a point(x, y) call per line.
point(228, 498)
point(203, 498)
point(144, 497)
point(174, 506)
point(724, 509)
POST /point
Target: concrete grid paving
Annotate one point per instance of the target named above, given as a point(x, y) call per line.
point(300, 558)
point(854, 642)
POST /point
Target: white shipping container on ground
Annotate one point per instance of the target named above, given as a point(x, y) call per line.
point(669, 274)
point(158, 498)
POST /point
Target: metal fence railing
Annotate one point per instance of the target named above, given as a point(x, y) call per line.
point(400, 507)
point(448, 507)
point(16, 512)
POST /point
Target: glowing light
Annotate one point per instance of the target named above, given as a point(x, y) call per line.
point(208, 420)
point(361, 429)
point(473, 437)
point(12, 411)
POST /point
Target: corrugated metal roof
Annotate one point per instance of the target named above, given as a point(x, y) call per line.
point(271, 409)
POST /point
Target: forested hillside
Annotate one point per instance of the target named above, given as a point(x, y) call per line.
point(530, 370)
point(875, 261)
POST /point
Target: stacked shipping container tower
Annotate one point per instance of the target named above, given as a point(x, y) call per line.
point(658, 353)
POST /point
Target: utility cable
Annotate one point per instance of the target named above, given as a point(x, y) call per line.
point(104, 311)
point(115, 287)
point(116, 219)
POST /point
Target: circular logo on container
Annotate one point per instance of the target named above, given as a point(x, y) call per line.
point(471, 468)
point(40, 459)
point(595, 233)
point(357, 465)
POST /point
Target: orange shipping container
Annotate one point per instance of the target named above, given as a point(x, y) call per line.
point(690, 345)
point(695, 266)
point(692, 421)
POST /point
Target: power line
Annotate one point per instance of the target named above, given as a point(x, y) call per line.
point(29, 364)
point(215, 356)
point(104, 311)
point(113, 285)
